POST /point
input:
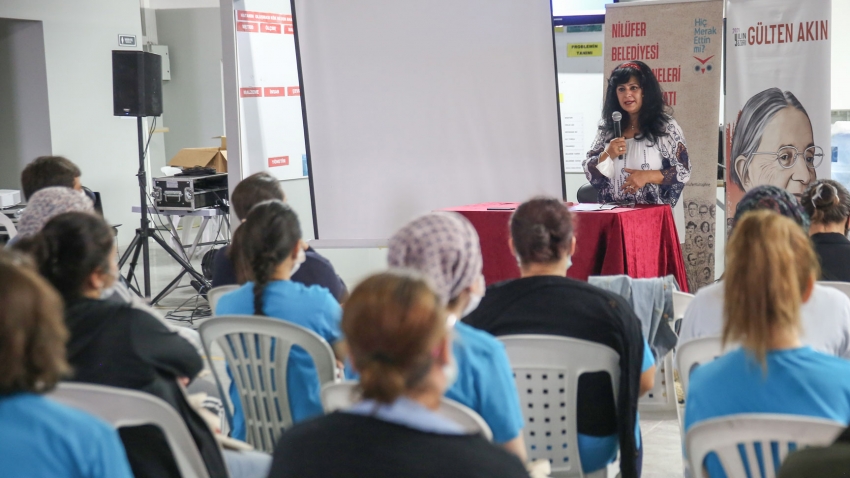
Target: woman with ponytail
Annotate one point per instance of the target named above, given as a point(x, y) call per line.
point(267, 249)
point(770, 272)
point(398, 333)
point(115, 344)
point(828, 204)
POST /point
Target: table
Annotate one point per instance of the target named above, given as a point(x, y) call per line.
point(640, 242)
point(206, 214)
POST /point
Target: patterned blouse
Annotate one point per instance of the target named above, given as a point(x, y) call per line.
point(668, 155)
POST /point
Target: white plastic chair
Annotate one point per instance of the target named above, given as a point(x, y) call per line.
point(546, 369)
point(842, 286)
point(723, 436)
point(127, 408)
point(260, 376)
point(7, 223)
point(681, 300)
point(342, 395)
point(216, 292)
point(696, 352)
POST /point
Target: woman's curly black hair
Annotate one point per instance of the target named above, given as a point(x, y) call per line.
point(654, 113)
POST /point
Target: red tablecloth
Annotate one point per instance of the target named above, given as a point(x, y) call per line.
point(639, 242)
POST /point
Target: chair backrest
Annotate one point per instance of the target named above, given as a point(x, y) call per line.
point(216, 292)
point(680, 303)
point(693, 353)
point(842, 286)
point(126, 408)
point(546, 370)
point(587, 194)
point(7, 223)
point(257, 351)
point(723, 436)
point(341, 395)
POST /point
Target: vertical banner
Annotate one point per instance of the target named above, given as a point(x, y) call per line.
point(777, 121)
point(271, 125)
point(682, 43)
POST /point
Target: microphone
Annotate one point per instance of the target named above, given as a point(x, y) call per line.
point(618, 132)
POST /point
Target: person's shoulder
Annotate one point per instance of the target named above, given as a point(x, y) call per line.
point(477, 342)
point(318, 261)
point(830, 295)
point(236, 301)
point(716, 373)
point(67, 421)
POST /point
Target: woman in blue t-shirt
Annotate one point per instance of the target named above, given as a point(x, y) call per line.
point(38, 436)
point(444, 247)
point(267, 249)
point(770, 271)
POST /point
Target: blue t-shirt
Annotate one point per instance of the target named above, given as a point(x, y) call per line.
point(310, 307)
point(40, 437)
point(597, 452)
point(485, 381)
point(798, 382)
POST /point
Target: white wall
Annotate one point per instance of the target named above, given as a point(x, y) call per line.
point(78, 40)
point(192, 98)
point(24, 113)
point(840, 60)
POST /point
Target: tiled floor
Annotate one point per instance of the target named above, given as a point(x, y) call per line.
point(660, 430)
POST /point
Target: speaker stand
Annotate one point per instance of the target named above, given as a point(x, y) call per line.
point(143, 233)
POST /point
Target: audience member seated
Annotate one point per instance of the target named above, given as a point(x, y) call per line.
point(39, 437)
point(828, 204)
point(46, 204)
point(49, 171)
point(116, 345)
point(544, 301)
point(397, 330)
point(823, 462)
point(267, 248)
point(825, 315)
point(445, 248)
point(316, 270)
point(770, 271)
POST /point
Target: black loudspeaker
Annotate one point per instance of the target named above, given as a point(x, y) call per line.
point(136, 83)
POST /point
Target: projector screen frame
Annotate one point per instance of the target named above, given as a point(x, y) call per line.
point(597, 19)
point(372, 243)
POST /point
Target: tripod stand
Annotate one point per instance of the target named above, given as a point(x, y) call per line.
point(140, 240)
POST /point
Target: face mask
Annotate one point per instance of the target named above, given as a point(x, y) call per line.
point(302, 256)
point(474, 297)
point(569, 262)
point(450, 370)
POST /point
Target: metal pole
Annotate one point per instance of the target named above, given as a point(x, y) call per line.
point(146, 265)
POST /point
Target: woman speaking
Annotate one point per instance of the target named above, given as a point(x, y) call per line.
point(639, 154)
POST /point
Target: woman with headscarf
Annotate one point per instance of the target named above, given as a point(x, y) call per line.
point(828, 204)
point(47, 203)
point(825, 315)
point(444, 247)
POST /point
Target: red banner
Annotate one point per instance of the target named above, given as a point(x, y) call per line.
point(279, 161)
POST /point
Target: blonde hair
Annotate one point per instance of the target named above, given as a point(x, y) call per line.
point(769, 266)
point(392, 322)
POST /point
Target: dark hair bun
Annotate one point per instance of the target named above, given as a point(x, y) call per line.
point(826, 202)
point(542, 230)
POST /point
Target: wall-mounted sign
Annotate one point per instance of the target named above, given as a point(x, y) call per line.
point(127, 40)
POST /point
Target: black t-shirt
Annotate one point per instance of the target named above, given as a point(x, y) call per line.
point(833, 250)
point(316, 270)
point(116, 345)
point(347, 445)
point(550, 305)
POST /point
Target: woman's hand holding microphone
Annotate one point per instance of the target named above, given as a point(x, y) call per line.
point(615, 148)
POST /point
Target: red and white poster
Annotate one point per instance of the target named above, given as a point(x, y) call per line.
point(681, 42)
point(777, 119)
point(271, 125)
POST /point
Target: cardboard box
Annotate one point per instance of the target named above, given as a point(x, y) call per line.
point(207, 157)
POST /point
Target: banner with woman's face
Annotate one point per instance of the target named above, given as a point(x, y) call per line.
point(777, 117)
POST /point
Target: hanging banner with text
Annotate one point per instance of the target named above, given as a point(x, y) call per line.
point(681, 42)
point(777, 125)
point(271, 125)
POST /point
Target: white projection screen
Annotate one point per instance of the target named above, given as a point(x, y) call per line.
point(415, 106)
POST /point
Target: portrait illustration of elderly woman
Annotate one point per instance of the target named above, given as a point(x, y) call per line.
point(773, 143)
